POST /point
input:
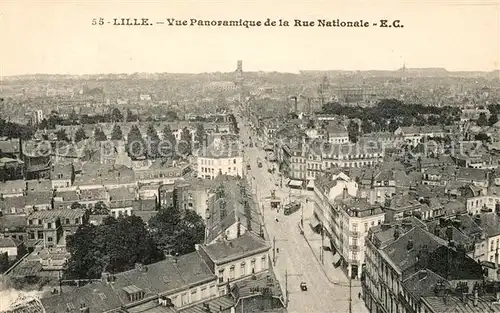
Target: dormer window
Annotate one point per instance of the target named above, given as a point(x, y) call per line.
point(134, 293)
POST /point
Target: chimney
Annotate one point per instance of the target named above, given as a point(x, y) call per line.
point(497, 297)
point(464, 298)
point(197, 247)
point(220, 308)
point(345, 193)
point(140, 267)
point(233, 309)
point(496, 258)
point(409, 245)
point(476, 297)
point(422, 274)
point(83, 308)
point(105, 277)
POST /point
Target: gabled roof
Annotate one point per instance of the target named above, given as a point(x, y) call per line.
point(163, 277)
point(422, 283)
point(404, 252)
point(246, 245)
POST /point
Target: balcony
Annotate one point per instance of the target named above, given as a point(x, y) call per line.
point(354, 234)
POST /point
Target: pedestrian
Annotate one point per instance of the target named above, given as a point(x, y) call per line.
point(359, 295)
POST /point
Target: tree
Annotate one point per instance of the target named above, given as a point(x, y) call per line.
point(353, 131)
point(76, 205)
point(200, 134)
point(366, 126)
point(493, 118)
point(100, 208)
point(99, 135)
point(4, 262)
point(80, 134)
point(168, 143)
point(482, 120)
point(116, 133)
point(185, 143)
point(482, 137)
point(113, 247)
point(177, 231)
point(116, 115)
point(61, 135)
point(136, 146)
point(73, 117)
point(153, 143)
point(131, 117)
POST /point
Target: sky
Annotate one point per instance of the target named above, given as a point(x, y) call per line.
point(57, 37)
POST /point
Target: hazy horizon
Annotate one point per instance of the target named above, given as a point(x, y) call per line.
point(59, 38)
point(247, 71)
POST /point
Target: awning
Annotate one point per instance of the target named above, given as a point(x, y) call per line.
point(314, 223)
point(336, 259)
point(310, 184)
point(295, 183)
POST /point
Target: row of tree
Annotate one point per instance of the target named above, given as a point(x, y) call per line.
point(115, 116)
point(137, 146)
point(483, 120)
point(14, 130)
point(118, 244)
point(389, 114)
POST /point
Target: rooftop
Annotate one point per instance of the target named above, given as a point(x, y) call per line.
point(245, 245)
point(163, 277)
point(50, 214)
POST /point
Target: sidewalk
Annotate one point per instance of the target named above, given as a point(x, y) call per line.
point(334, 274)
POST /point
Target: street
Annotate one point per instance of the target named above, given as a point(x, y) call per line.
point(295, 257)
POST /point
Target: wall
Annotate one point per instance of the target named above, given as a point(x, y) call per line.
point(242, 267)
point(194, 294)
point(212, 166)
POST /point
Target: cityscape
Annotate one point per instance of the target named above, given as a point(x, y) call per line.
point(318, 191)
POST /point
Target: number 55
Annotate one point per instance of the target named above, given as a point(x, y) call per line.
point(99, 21)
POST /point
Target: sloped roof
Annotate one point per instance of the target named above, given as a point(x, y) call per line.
point(405, 255)
point(245, 245)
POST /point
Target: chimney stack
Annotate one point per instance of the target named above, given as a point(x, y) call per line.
point(345, 193)
point(409, 246)
point(476, 297)
point(496, 258)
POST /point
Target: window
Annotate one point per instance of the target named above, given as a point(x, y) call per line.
point(234, 161)
point(50, 239)
point(263, 261)
point(212, 290)
point(366, 227)
point(49, 225)
point(30, 222)
point(243, 269)
point(231, 272)
point(185, 298)
point(32, 235)
point(67, 221)
point(204, 293)
point(252, 266)
point(194, 295)
point(77, 220)
point(40, 235)
point(221, 276)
